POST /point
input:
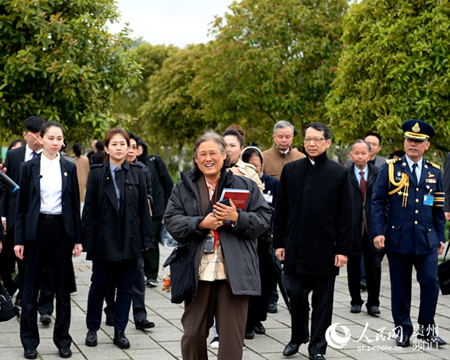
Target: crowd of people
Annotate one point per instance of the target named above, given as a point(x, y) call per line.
point(304, 217)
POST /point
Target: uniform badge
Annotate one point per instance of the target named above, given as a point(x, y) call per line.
point(430, 175)
point(416, 128)
point(430, 181)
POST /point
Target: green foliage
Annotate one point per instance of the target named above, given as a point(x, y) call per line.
point(271, 60)
point(171, 111)
point(395, 66)
point(57, 60)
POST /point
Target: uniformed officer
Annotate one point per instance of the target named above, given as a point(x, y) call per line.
point(413, 233)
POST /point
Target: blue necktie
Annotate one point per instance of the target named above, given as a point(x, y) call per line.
point(414, 168)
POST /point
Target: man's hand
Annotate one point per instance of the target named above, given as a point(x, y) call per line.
point(18, 250)
point(447, 216)
point(441, 248)
point(378, 241)
point(77, 249)
point(279, 253)
point(340, 260)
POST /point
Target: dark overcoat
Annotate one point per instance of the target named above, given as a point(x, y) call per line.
point(359, 211)
point(110, 234)
point(239, 244)
point(313, 216)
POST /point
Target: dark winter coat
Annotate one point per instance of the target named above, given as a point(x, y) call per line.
point(313, 216)
point(110, 234)
point(183, 214)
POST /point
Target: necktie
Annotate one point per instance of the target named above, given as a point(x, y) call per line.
point(414, 170)
point(363, 184)
point(33, 154)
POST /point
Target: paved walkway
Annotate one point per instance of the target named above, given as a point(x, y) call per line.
point(163, 341)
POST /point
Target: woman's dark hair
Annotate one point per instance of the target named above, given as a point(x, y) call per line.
point(99, 145)
point(15, 142)
point(116, 131)
point(234, 132)
point(249, 153)
point(76, 148)
point(212, 136)
point(50, 124)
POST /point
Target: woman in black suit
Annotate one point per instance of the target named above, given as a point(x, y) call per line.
point(47, 230)
point(116, 229)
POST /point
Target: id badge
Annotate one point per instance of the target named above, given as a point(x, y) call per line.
point(428, 200)
point(269, 198)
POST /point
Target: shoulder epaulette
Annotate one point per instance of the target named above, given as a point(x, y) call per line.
point(434, 165)
point(93, 166)
point(391, 161)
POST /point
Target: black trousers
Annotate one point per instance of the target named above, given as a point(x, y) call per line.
point(257, 305)
point(51, 247)
point(121, 273)
point(138, 297)
point(8, 263)
point(298, 287)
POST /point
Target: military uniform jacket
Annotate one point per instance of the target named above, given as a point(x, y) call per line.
point(411, 227)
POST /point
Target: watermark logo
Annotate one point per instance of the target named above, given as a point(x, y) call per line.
point(335, 339)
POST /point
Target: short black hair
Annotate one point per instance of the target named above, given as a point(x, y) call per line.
point(34, 124)
point(319, 127)
point(378, 136)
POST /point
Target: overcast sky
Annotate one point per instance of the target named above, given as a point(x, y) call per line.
point(177, 22)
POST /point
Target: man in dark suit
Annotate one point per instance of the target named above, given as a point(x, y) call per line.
point(363, 176)
point(8, 199)
point(413, 233)
point(374, 140)
point(312, 234)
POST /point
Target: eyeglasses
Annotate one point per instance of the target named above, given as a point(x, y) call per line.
point(314, 140)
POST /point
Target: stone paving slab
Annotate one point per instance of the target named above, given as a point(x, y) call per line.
point(163, 341)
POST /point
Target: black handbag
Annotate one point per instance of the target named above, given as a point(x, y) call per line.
point(7, 311)
point(182, 274)
point(444, 274)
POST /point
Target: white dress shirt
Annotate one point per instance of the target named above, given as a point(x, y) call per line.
point(51, 185)
point(28, 152)
point(418, 169)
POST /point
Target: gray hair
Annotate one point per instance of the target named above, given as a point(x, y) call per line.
point(282, 124)
point(359, 141)
point(212, 136)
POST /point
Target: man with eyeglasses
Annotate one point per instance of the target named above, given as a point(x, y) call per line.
point(374, 140)
point(312, 233)
point(413, 233)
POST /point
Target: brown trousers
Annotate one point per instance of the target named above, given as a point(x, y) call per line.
point(214, 299)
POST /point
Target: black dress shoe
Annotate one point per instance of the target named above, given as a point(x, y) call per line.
point(121, 341)
point(45, 319)
point(356, 309)
point(144, 324)
point(272, 308)
point(373, 310)
point(402, 341)
point(432, 339)
point(30, 354)
point(91, 338)
point(291, 349)
point(260, 329)
point(316, 357)
point(65, 352)
point(249, 334)
point(110, 319)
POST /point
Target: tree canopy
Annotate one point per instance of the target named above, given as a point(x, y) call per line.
point(395, 66)
point(58, 60)
point(271, 60)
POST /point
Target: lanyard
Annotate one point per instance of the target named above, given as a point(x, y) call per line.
point(214, 200)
